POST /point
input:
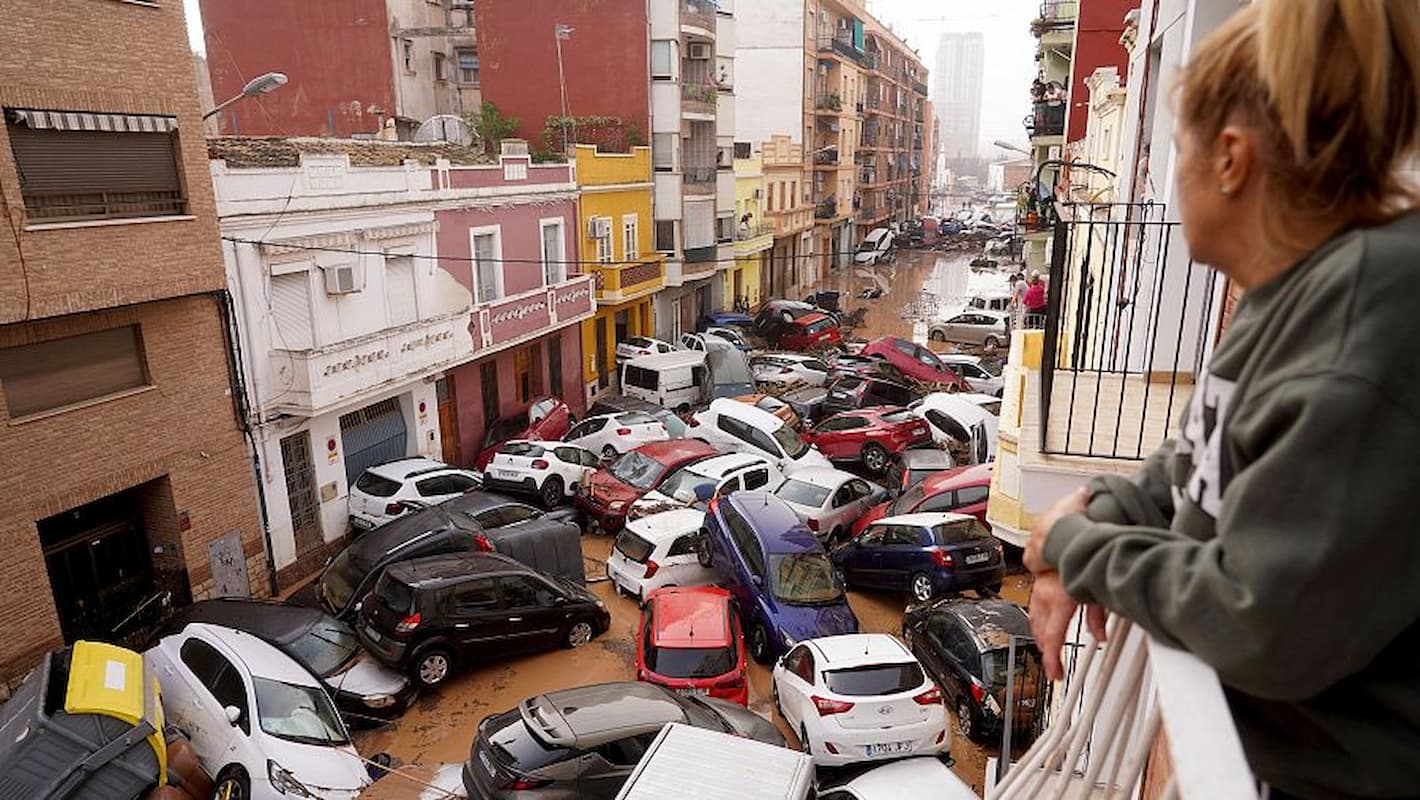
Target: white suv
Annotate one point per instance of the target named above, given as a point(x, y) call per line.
point(550, 470)
point(698, 481)
point(614, 434)
point(970, 369)
point(739, 427)
point(859, 697)
point(377, 495)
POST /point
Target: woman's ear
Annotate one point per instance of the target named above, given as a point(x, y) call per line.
point(1234, 159)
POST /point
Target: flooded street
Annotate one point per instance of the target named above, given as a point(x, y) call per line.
point(439, 729)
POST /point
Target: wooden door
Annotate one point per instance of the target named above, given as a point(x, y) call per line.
point(448, 421)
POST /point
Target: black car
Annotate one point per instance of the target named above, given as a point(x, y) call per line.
point(585, 742)
point(363, 689)
point(853, 392)
point(807, 402)
point(965, 647)
point(429, 615)
point(478, 521)
point(775, 315)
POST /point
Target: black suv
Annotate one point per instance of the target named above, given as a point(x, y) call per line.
point(428, 615)
point(856, 391)
point(965, 647)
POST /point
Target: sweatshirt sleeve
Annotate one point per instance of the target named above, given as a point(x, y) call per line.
point(1282, 602)
point(1143, 499)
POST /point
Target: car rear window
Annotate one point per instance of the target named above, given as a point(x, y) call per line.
point(633, 546)
point(805, 494)
point(641, 378)
point(395, 595)
point(821, 325)
point(635, 418)
point(898, 417)
point(514, 744)
point(874, 679)
point(637, 341)
point(373, 484)
point(521, 449)
point(993, 663)
point(691, 662)
point(960, 531)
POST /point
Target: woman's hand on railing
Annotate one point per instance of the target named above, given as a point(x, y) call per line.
point(1051, 607)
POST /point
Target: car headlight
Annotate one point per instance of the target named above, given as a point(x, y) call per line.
point(284, 782)
point(379, 700)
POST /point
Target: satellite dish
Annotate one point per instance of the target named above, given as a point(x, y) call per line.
point(445, 128)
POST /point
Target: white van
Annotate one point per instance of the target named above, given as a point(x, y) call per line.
point(690, 763)
point(875, 247)
point(672, 380)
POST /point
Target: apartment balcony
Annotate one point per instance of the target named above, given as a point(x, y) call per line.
point(751, 239)
point(872, 104)
point(699, 179)
point(698, 101)
point(830, 102)
point(1048, 120)
point(326, 377)
point(699, 262)
point(919, 87)
point(826, 209)
point(699, 14)
point(871, 213)
point(870, 61)
point(1055, 27)
point(789, 222)
point(840, 47)
point(621, 283)
point(510, 320)
point(827, 157)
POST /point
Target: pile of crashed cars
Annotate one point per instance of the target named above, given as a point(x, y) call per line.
point(751, 474)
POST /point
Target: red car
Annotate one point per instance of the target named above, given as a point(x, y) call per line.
point(963, 490)
point(607, 496)
point(690, 642)
point(916, 362)
point(545, 418)
point(871, 435)
point(809, 331)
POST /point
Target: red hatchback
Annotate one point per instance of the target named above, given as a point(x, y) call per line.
point(870, 435)
point(545, 418)
point(690, 642)
point(916, 362)
point(810, 331)
point(963, 490)
point(606, 497)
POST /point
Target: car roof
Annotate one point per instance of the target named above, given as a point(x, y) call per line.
point(778, 527)
point(786, 355)
point(810, 318)
point(429, 571)
point(993, 621)
point(675, 358)
point(858, 649)
point(719, 466)
point(827, 477)
point(407, 467)
point(959, 358)
point(271, 620)
point(586, 716)
point(667, 525)
point(924, 519)
point(965, 410)
point(745, 413)
point(262, 659)
point(926, 458)
point(675, 451)
point(956, 478)
point(373, 546)
point(691, 617)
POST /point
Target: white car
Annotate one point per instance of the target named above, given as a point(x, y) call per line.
point(657, 551)
point(921, 778)
point(859, 697)
point(953, 418)
point(697, 482)
point(258, 721)
point(705, 342)
point(634, 346)
point(741, 428)
point(976, 326)
point(829, 500)
point(988, 403)
point(979, 378)
point(550, 470)
point(787, 370)
point(730, 335)
point(614, 434)
point(377, 495)
point(875, 248)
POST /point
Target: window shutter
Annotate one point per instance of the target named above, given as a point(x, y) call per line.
point(291, 310)
point(400, 291)
point(88, 174)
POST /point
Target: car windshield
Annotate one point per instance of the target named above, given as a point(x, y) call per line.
point(691, 662)
point(802, 493)
point(907, 501)
point(638, 470)
point(376, 486)
point(792, 443)
point(875, 679)
point(301, 714)
point(821, 325)
point(960, 531)
point(340, 579)
point(683, 478)
point(325, 648)
point(993, 662)
point(805, 579)
point(633, 546)
point(506, 428)
point(898, 417)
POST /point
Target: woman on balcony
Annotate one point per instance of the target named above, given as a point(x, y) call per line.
point(1278, 539)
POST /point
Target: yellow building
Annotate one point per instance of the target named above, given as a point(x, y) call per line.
point(754, 234)
point(617, 230)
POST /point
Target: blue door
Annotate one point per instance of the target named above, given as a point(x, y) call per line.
point(902, 556)
point(372, 435)
point(864, 565)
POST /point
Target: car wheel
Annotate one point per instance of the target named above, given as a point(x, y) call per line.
point(992, 343)
point(232, 784)
point(579, 634)
point(994, 588)
point(875, 458)
point(922, 590)
point(937, 336)
point(609, 453)
point(432, 667)
point(552, 494)
point(965, 724)
point(759, 643)
point(804, 745)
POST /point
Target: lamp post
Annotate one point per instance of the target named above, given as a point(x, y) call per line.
point(560, 32)
point(261, 84)
point(1014, 148)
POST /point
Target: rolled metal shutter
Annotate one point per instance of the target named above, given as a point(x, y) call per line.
point(373, 435)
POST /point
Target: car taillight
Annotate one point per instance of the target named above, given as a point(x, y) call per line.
point(931, 697)
point(522, 784)
point(978, 692)
point(407, 624)
point(941, 558)
point(540, 463)
point(394, 509)
point(827, 707)
point(623, 431)
point(481, 542)
point(813, 524)
point(651, 567)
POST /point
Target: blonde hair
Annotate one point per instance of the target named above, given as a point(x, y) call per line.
point(1333, 88)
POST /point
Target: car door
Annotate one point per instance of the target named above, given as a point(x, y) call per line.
point(902, 548)
point(839, 513)
point(586, 433)
point(765, 445)
point(832, 437)
point(958, 328)
point(209, 683)
point(863, 566)
point(796, 685)
point(932, 652)
point(535, 617)
point(959, 653)
point(571, 465)
point(972, 500)
point(683, 565)
point(478, 624)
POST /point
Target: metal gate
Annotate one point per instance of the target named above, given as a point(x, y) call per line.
point(373, 435)
point(301, 491)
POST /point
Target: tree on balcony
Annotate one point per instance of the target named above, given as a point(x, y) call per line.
point(491, 126)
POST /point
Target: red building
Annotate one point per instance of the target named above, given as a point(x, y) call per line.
point(1098, 28)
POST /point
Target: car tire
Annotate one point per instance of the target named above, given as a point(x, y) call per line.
point(920, 586)
point(995, 588)
point(759, 643)
point(552, 493)
point(431, 667)
point(232, 784)
point(578, 634)
point(992, 343)
point(966, 721)
point(937, 336)
point(609, 453)
point(875, 458)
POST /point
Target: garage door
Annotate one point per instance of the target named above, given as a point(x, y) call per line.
point(373, 435)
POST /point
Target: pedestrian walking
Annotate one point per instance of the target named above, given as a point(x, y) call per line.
point(1257, 540)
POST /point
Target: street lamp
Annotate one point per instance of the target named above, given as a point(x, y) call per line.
point(261, 84)
point(1005, 145)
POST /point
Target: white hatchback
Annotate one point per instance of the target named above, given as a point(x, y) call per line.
point(614, 434)
point(786, 370)
point(922, 778)
point(698, 481)
point(859, 697)
point(970, 369)
point(377, 495)
point(741, 428)
point(550, 470)
point(636, 346)
point(657, 551)
point(829, 500)
point(258, 722)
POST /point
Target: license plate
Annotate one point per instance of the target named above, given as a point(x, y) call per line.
point(362, 524)
point(507, 473)
point(487, 762)
point(889, 748)
point(693, 691)
point(372, 633)
point(978, 558)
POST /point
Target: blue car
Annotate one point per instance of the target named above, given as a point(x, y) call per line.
point(726, 319)
point(926, 553)
point(782, 580)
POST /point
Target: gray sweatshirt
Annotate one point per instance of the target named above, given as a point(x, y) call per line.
point(1278, 539)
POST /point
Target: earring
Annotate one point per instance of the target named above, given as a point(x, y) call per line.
point(1226, 190)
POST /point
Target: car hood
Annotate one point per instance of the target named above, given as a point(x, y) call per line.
point(605, 487)
point(812, 622)
point(745, 722)
point(318, 768)
point(813, 458)
point(367, 677)
point(870, 516)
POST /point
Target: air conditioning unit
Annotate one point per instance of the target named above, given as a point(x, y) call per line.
point(342, 279)
point(598, 227)
point(700, 51)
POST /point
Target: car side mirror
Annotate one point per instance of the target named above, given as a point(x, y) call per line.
point(234, 714)
point(560, 600)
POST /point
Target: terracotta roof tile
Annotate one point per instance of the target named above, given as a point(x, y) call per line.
point(280, 151)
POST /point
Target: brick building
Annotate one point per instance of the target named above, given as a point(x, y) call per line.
point(127, 476)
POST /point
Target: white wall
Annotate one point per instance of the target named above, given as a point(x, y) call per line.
point(667, 197)
point(769, 63)
point(665, 19)
point(665, 107)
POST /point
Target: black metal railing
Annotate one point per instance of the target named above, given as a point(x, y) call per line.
point(1048, 119)
point(826, 158)
point(699, 174)
point(1123, 300)
point(103, 205)
point(828, 209)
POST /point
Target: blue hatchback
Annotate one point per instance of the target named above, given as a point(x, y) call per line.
point(782, 580)
point(926, 553)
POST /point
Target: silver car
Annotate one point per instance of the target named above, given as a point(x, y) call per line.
point(986, 328)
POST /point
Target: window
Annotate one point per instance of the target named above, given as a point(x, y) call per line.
point(606, 250)
point(61, 372)
point(445, 484)
point(121, 167)
point(725, 228)
point(488, 273)
point(554, 364)
point(218, 675)
point(969, 495)
point(554, 270)
point(522, 592)
point(440, 67)
point(665, 235)
point(408, 49)
point(662, 60)
point(476, 596)
point(684, 546)
point(742, 150)
point(756, 478)
point(663, 151)
point(630, 225)
point(468, 66)
point(746, 541)
point(399, 289)
point(641, 378)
